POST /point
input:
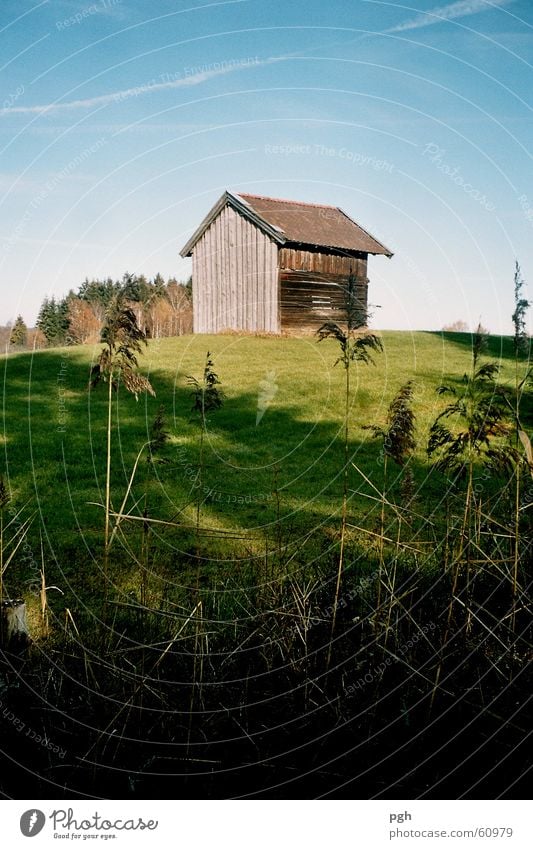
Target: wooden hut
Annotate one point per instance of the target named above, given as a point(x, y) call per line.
point(270, 265)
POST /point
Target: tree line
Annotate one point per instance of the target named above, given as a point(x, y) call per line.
point(161, 308)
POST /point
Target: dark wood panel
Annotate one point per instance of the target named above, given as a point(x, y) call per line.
point(309, 320)
point(319, 277)
point(308, 300)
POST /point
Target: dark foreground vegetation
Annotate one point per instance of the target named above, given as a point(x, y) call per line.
point(360, 632)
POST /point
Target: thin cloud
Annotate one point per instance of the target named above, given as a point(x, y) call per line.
point(197, 78)
point(452, 12)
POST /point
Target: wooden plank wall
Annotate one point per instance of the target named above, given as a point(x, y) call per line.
point(313, 287)
point(293, 259)
point(235, 278)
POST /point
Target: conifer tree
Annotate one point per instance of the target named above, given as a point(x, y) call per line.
point(53, 320)
point(19, 333)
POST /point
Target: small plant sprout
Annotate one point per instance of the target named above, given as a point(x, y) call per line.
point(159, 437)
point(398, 438)
point(521, 351)
point(208, 398)
point(521, 340)
point(469, 432)
point(477, 415)
point(206, 394)
point(398, 434)
point(123, 341)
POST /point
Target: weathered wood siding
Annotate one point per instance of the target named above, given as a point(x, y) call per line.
point(313, 287)
point(325, 262)
point(235, 277)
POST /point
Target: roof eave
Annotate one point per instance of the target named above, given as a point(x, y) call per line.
point(385, 251)
point(202, 227)
point(341, 248)
point(244, 209)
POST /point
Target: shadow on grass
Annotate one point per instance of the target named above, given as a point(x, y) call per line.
point(497, 347)
point(261, 483)
point(287, 468)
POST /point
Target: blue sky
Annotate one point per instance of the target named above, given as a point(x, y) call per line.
point(121, 122)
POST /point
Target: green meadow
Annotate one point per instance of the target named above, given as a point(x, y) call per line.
point(273, 454)
point(234, 596)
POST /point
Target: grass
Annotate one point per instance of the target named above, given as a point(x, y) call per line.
point(241, 614)
point(55, 443)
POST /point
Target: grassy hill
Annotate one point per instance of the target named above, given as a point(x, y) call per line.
point(239, 658)
point(274, 450)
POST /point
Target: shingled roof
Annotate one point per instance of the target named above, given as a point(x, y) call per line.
point(296, 222)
